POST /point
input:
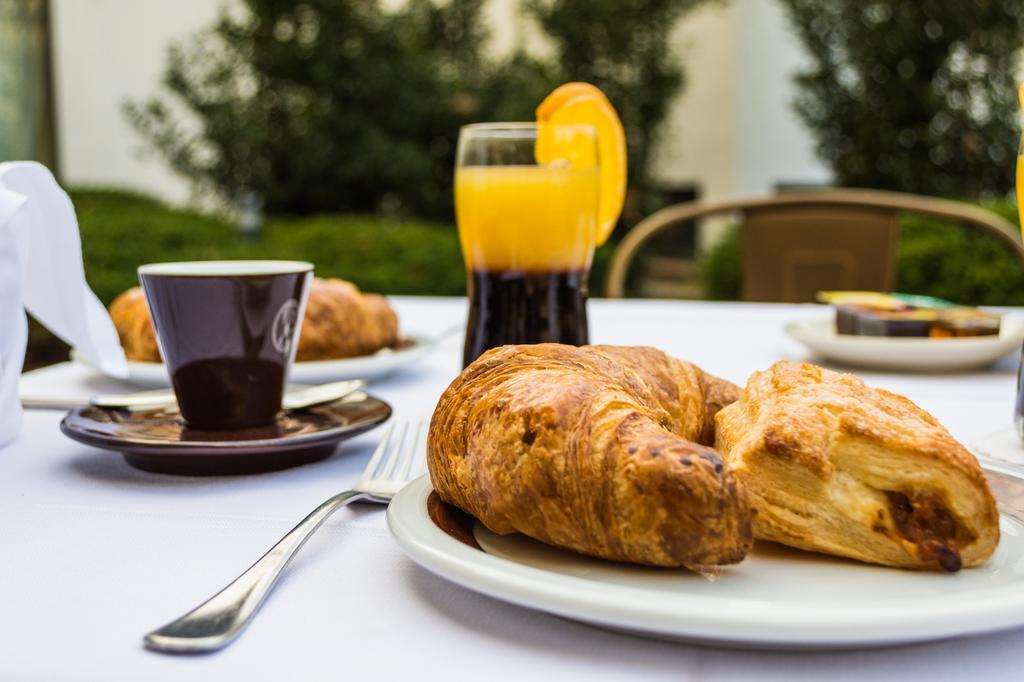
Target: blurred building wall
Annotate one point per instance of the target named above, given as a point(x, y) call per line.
point(695, 147)
point(105, 52)
point(732, 132)
point(771, 146)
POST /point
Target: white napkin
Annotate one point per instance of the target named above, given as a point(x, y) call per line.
point(41, 271)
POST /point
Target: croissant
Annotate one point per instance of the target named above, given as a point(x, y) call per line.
point(343, 322)
point(130, 314)
point(602, 450)
point(835, 466)
point(340, 322)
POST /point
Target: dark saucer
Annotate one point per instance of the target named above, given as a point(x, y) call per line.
point(158, 440)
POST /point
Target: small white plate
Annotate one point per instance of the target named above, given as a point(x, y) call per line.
point(907, 353)
point(366, 367)
point(777, 598)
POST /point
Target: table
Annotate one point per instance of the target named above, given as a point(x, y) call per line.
point(95, 553)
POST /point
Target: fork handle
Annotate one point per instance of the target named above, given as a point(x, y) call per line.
point(217, 621)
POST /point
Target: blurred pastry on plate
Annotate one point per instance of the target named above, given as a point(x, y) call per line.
point(130, 314)
point(871, 313)
point(340, 322)
point(601, 450)
point(835, 466)
point(343, 322)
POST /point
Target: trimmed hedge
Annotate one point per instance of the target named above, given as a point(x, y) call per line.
point(120, 231)
point(934, 258)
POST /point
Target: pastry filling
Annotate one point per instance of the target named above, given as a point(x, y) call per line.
point(926, 522)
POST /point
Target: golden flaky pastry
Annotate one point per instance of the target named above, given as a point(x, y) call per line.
point(343, 322)
point(130, 314)
point(340, 322)
point(835, 466)
point(602, 450)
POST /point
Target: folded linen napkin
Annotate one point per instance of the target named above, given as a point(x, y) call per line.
point(41, 271)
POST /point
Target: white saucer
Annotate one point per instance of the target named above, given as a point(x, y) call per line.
point(907, 353)
point(777, 598)
point(367, 367)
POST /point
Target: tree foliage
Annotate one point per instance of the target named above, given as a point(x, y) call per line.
point(623, 47)
point(913, 96)
point(343, 105)
point(322, 106)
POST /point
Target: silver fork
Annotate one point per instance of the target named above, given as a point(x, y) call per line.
point(220, 619)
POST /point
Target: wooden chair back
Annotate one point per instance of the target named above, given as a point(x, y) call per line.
point(796, 244)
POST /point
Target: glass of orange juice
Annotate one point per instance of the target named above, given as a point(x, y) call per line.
point(1020, 180)
point(1018, 413)
point(528, 232)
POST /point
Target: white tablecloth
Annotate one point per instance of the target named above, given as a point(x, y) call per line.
point(93, 553)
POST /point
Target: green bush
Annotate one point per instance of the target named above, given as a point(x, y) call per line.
point(957, 264)
point(389, 257)
point(121, 231)
point(719, 268)
point(934, 258)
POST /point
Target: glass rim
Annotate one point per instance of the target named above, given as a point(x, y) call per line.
point(502, 125)
point(224, 268)
point(519, 128)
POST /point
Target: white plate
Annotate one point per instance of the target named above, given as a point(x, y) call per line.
point(367, 367)
point(776, 598)
point(905, 353)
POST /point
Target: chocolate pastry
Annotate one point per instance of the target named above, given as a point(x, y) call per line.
point(832, 465)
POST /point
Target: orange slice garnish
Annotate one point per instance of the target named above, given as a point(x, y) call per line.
point(582, 104)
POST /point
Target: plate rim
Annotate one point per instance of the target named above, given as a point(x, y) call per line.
point(196, 448)
point(796, 329)
point(760, 623)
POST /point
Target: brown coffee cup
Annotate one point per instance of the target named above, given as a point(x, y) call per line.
point(227, 331)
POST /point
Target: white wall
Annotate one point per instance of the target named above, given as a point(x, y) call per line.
point(733, 132)
point(107, 51)
point(771, 144)
point(696, 141)
point(511, 29)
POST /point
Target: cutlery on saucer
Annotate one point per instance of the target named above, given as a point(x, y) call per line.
point(294, 399)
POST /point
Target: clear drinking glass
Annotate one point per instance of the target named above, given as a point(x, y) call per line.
point(1018, 412)
point(527, 232)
